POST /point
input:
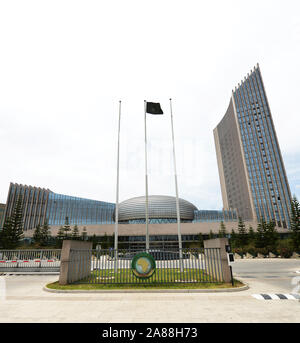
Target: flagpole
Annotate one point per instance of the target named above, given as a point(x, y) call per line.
point(117, 195)
point(146, 180)
point(176, 189)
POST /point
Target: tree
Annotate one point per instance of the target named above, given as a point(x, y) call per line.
point(260, 240)
point(45, 233)
point(84, 234)
point(75, 232)
point(242, 236)
point(6, 234)
point(222, 231)
point(251, 235)
point(37, 235)
point(104, 241)
point(211, 235)
point(66, 227)
point(295, 223)
point(271, 236)
point(233, 239)
point(60, 236)
point(12, 232)
point(94, 240)
point(200, 236)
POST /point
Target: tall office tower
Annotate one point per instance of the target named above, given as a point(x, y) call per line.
point(252, 175)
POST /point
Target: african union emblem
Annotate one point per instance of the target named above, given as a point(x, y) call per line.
point(143, 265)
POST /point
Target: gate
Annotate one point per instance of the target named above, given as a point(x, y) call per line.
point(30, 260)
point(107, 266)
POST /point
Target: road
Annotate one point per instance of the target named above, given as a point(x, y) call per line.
point(25, 301)
point(271, 274)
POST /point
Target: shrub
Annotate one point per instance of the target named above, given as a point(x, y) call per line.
point(238, 251)
point(252, 250)
point(285, 243)
point(285, 252)
point(262, 251)
point(273, 249)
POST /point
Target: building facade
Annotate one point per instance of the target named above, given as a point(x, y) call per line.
point(2, 209)
point(251, 169)
point(41, 205)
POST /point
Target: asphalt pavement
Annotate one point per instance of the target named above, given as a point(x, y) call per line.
point(271, 274)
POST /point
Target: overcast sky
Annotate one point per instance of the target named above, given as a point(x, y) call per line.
point(64, 65)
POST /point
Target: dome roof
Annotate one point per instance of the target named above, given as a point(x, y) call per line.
point(160, 206)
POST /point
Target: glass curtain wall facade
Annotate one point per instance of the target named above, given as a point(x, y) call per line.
point(40, 205)
point(215, 216)
point(34, 201)
point(2, 210)
point(266, 192)
point(79, 211)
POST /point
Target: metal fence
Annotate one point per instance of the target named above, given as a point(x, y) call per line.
point(106, 267)
point(30, 260)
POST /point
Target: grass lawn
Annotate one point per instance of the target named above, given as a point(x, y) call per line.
point(162, 279)
point(165, 275)
point(208, 285)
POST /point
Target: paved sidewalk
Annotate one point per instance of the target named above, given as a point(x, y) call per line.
point(27, 302)
point(30, 303)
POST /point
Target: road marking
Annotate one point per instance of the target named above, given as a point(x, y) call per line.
point(282, 296)
point(276, 296)
point(258, 296)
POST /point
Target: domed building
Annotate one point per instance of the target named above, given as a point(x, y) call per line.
point(97, 218)
point(161, 209)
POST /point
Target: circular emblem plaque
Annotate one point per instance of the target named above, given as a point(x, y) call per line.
point(143, 265)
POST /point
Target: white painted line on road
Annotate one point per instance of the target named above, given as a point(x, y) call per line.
point(258, 296)
point(290, 296)
point(276, 296)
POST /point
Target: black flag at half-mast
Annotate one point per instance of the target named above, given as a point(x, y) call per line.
point(154, 108)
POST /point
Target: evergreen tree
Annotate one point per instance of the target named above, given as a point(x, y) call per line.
point(12, 232)
point(271, 236)
point(112, 240)
point(260, 240)
point(233, 239)
point(37, 235)
point(200, 237)
point(211, 235)
point(84, 234)
point(104, 241)
point(251, 235)
point(66, 227)
point(75, 232)
point(45, 233)
point(295, 223)
point(94, 239)
point(242, 233)
point(222, 231)
point(60, 235)
point(6, 234)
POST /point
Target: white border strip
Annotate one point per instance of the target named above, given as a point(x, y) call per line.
point(258, 296)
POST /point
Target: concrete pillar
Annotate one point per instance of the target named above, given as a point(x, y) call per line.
point(66, 272)
point(220, 243)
